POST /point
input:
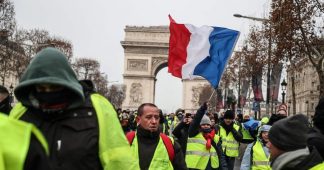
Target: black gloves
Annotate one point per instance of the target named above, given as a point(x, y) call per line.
point(204, 106)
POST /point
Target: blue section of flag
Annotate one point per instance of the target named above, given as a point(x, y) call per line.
point(222, 41)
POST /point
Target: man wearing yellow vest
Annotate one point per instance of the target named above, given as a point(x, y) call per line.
point(288, 145)
point(230, 135)
point(202, 150)
point(80, 126)
point(155, 150)
point(22, 147)
point(256, 155)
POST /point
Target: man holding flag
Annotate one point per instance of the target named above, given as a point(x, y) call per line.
point(201, 51)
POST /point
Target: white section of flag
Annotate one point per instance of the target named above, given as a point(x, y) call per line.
point(197, 50)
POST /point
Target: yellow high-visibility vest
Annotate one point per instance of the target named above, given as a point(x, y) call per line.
point(197, 156)
point(229, 144)
point(319, 166)
point(260, 161)
point(160, 160)
point(15, 138)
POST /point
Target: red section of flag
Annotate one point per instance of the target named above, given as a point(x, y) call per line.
point(179, 40)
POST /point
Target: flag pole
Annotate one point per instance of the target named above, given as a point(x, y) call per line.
point(212, 94)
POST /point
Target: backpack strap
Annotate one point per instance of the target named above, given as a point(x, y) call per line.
point(166, 140)
point(130, 137)
point(169, 146)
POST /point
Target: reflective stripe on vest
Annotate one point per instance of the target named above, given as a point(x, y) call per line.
point(229, 144)
point(319, 166)
point(109, 128)
point(14, 143)
point(160, 158)
point(259, 158)
point(197, 156)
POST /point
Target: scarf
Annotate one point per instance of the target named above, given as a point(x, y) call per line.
point(209, 137)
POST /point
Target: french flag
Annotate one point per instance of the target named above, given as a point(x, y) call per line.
point(199, 51)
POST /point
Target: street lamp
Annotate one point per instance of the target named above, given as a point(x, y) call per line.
point(269, 55)
point(11, 93)
point(306, 107)
point(283, 88)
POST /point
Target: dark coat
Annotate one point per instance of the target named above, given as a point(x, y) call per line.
point(147, 143)
point(181, 133)
point(36, 157)
point(316, 139)
point(72, 137)
point(72, 133)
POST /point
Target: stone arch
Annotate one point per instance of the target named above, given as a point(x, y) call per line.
point(145, 54)
point(160, 64)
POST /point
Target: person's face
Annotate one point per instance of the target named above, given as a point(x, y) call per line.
point(212, 122)
point(150, 118)
point(187, 120)
point(274, 151)
point(228, 121)
point(48, 88)
point(264, 136)
point(282, 112)
point(205, 126)
point(3, 96)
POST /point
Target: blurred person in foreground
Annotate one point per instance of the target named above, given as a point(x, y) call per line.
point(22, 146)
point(288, 147)
point(80, 126)
point(5, 100)
point(316, 134)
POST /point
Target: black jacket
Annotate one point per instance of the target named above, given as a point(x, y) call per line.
point(36, 157)
point(316, 139)
point(147, 143)
point(72, 136)
point(181, 133)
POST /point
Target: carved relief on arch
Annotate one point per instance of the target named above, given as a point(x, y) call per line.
point(196, 91)
point(136, 94)
point(137, 65)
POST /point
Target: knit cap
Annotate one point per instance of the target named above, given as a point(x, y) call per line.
point(205, 120)
point(289, 134)
point(229, 114)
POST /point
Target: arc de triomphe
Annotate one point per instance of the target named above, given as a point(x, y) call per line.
point(146, 53)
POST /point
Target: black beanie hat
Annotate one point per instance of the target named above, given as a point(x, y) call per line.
point(319, 115)
point(290, 133)
point(229, 114)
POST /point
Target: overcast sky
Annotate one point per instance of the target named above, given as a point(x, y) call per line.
point(96, 28)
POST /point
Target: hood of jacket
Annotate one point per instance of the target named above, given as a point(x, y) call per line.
point(49, 66)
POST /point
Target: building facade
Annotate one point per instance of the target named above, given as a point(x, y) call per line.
point(305, 81)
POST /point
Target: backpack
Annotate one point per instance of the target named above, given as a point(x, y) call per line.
point(166, 140)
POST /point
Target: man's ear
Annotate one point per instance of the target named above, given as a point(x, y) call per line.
point(138, 119)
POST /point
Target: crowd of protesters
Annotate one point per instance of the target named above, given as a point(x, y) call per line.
point(61, 123)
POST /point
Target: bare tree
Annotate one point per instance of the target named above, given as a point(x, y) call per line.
point(63, 45)
point(7, 16)
point(298, 27)
point(86, 68)
point(207, 93)
point(116, 95)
